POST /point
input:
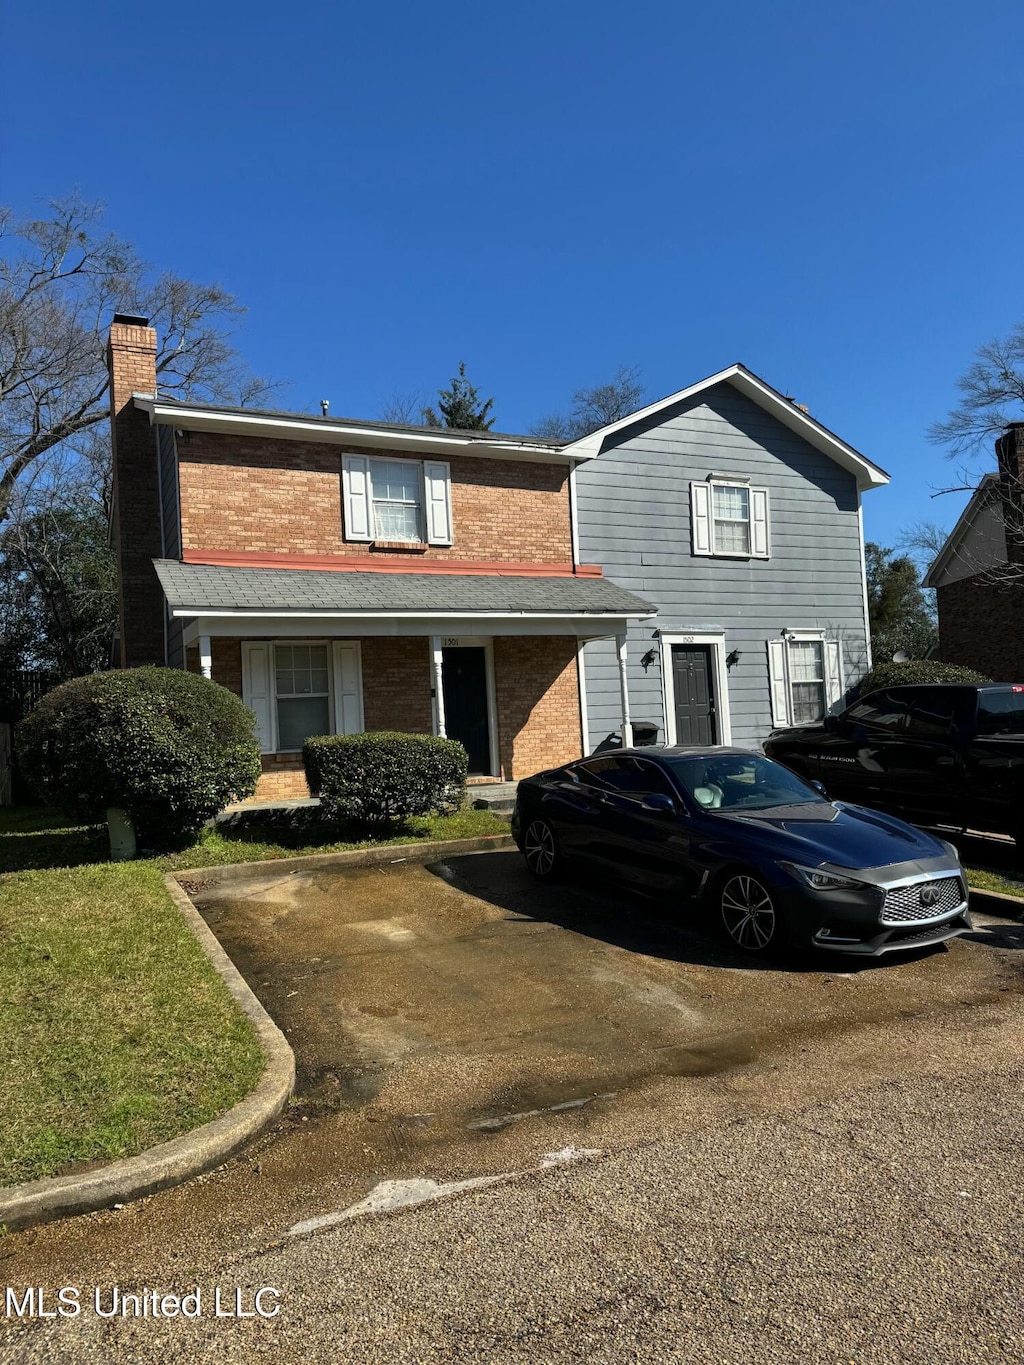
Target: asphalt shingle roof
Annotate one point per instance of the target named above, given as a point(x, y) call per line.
point(167, 400)
point(198, 588)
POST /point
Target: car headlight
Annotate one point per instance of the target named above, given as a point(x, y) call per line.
point(820, 880)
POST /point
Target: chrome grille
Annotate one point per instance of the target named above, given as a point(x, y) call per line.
point(903, 903)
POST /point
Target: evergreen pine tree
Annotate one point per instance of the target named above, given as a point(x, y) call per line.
point(459, 406)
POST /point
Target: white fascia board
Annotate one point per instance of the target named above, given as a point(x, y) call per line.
point(868, 475)
point(979, 498)
point(335, 625)
point(321, 429)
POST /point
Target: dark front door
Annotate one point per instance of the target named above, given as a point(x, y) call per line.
point(465, 705)
point(692, 678)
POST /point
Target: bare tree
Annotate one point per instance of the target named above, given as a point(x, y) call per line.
point(595, 407)
point(58, 599)
point(61, 279)
point(404, 408)
point(992, 396)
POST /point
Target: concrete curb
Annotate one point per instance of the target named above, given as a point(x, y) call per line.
point(42, 1201)
point(996, 903)
point(198, 879)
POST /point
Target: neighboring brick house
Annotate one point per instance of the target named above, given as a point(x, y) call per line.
point(978, 575)
point(342, 575)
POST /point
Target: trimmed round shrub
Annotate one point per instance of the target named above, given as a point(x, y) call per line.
point(168, 747)
point(384, 777)
point(915, 672)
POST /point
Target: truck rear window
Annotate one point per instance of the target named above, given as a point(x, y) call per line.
point(1001, 713)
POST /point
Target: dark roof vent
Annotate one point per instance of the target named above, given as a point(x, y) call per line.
point(131, 319)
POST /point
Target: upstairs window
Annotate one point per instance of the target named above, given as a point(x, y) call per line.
point(396, 493)
point(408, 501)
point(729, 519)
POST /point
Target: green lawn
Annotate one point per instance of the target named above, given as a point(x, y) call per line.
point(994, 881)
point(115, 1030)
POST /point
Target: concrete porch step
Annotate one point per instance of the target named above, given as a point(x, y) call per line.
point(498, 797)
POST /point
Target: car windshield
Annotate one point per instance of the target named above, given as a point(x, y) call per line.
point(740, 782)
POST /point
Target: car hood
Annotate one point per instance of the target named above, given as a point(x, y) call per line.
point(833, 832)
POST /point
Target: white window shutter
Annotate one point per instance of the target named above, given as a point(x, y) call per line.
point(437, 482)
point(257, 689)
point(700, 508)
point(358, 509)
point(778, 678)
point(833, 672)
point(759, 542)
point(348, 688)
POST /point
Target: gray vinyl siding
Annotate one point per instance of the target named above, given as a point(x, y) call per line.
point(170, 528)
point(633, 510)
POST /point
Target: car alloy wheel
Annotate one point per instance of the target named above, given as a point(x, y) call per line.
point(748, 913)
point(540, 849)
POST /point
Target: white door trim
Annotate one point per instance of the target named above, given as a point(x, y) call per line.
point(716, 640)
point(486, 643)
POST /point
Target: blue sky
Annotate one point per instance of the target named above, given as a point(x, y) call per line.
point(831, 194)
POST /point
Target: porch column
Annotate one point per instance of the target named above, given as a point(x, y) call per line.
point(437, 661)
point(205, 657)
point(627, 724)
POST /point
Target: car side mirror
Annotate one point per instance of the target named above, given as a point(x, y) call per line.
point(819, 787)
point(659, 804)
point(831, 724)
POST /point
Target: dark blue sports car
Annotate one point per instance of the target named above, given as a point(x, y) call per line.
point(775, 860)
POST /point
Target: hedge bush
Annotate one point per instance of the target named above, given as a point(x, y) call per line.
point(168, 747)
point(915, 672)
point(385, 777)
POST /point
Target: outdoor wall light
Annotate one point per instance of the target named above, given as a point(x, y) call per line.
point(733, 658)
point(649, 658)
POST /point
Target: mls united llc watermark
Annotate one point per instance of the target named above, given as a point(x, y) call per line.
point(109, 1301)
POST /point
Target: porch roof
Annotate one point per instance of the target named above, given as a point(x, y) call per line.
point(213, 589)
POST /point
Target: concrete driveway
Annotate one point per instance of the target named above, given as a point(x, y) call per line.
point(750, 1154)
point(462, 996)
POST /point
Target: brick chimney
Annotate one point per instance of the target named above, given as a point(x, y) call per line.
point(131, 359)
point(1010, 458)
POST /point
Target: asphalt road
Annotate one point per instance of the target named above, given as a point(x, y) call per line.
point(848, 1193)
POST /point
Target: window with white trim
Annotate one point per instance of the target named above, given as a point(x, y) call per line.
point(806, 676)
point(397, 500)
point(729, 518)
point(807, 681)
point(396, 491)
point(302, 694)
point(299, 688)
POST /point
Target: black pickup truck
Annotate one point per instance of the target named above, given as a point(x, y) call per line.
point(940, 754)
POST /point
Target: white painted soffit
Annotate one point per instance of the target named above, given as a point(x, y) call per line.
point(335, 625)
point(979, 499)
point(345, 432)
point(868, 475)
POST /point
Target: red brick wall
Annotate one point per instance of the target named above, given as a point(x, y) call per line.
point(285, 497)
point(396, 685)
point(981, 626)
point(536, 696)
point(131, 357)
point(537, 693)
